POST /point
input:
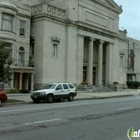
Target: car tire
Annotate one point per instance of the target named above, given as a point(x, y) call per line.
point(0, 102)
point(70, 97)
point(50, 99)
point(36, 101)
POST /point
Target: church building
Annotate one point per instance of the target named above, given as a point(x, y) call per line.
point(67, 41)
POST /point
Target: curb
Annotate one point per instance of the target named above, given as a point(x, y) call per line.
point(80, 99)
point(107, 97)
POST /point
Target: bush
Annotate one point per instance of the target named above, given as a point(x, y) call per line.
point(133, 84)
point(115, 82)
point(84, 83)
point(24, 91)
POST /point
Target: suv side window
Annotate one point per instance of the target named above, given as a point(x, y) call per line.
point(71, 86)
point(59, 87)
point(65, 86)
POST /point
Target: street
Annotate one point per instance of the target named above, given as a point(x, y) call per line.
point(103, 119)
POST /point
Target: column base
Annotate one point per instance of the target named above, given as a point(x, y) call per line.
point(99, 85)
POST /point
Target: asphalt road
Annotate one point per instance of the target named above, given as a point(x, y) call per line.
point(106, 119)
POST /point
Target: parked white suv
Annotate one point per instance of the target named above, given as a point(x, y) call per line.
point(55, 91)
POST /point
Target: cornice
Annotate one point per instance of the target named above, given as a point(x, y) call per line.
point(9, 6)
point(116, 7)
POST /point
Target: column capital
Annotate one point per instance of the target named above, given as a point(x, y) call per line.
point(32, 73)
point(92, 39)
point(102, 41)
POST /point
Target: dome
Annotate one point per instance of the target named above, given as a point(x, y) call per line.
point(8, 5)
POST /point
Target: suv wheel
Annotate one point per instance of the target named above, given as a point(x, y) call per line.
point(0, 102)
point(70, 98)
point(50, 98)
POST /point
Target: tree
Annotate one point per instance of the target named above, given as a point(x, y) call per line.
point(5, 62)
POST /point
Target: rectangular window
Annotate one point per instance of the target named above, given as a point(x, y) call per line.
point(54, 50)
point(7, 22)
point(65, 86)
point(121, 61)
point(71, 86)
point(9, 47)
point(131, 56)
point(22, 28)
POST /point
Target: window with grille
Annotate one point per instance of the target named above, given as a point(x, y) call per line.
point(22, 28)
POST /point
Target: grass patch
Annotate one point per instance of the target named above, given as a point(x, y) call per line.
point(14, 101)
point(12, 93)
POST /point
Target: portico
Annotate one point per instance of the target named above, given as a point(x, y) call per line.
point(96, 60)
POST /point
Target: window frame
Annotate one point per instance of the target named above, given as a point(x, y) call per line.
point(9, 46)
point(9, 21)
point(131, 60)
point(66, 85)
point(54, 50)
point(59, 88)
point(21, 63)
point(71, 86)
point(121, 61)
point(22, 28)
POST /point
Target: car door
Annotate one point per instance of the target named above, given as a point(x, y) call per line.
point(58, 92)
point(66, 90)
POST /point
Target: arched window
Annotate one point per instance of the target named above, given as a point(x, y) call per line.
point(21, 56)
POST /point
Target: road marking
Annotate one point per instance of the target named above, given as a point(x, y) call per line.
point(39, 122)
point(125, 108)
point(45, 121)
point(27, 123)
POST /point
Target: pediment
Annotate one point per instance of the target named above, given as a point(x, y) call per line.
point(110, 4)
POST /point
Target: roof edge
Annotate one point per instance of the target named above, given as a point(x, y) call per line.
point(8, 5)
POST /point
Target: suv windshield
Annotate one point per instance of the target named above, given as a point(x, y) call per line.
point(51, 86)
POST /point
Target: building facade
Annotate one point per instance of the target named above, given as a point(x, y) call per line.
point(15, 31)
point(68, 41)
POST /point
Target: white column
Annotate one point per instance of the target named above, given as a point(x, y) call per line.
point(12, 81)
point(90, 62)
point(80, 49)
point(20, 81)
point(109, 65)
point(100, 63)
point(27, 82)
point(1, 18)
point(32, 82)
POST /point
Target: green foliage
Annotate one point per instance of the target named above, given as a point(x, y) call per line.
point(13, 91)
point(115, 82)
point(14, 101)
point(133, 84)
point(5, 62)
point(24, 91)
point(84, 83)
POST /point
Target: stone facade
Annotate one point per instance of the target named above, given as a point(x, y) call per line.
point(11, 14)
point(74, 41)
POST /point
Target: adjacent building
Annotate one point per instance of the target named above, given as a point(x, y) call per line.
point(15, 31)
point(67, 41)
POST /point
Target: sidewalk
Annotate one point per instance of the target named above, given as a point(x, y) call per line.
point(82, 96)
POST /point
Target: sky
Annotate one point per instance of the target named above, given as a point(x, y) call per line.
point(130, 18)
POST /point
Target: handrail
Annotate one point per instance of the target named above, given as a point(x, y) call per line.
point(109, 85)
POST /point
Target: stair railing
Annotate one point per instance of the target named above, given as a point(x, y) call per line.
point(110, 85)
